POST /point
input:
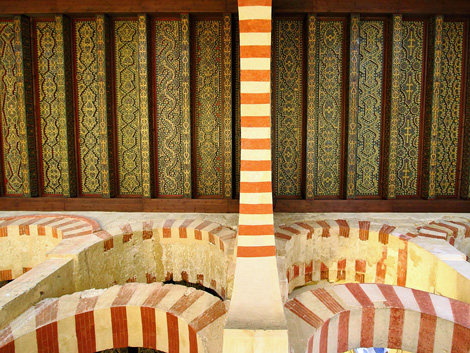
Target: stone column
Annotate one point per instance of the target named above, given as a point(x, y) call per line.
point(256, 321)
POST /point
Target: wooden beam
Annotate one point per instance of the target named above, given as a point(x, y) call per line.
point(127, 204)
point(460, 7)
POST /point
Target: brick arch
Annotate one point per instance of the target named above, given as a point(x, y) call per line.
point(188, 250)
point(343, 317)
point(169, 318)
point(28, 238)
point(341, 250)
point(455, 232)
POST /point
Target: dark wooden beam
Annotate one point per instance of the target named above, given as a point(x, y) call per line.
point(374, 6)
point(460, 7)
point(403, 205)
point(226, 205)
point(115, 6)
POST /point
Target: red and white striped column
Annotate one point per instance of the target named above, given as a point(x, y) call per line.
point(256, 317)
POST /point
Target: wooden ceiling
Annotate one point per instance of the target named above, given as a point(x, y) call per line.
point(446, 7)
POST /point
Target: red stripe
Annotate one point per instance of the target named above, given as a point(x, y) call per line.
point(304, 313)
point(242, 3)
point(256, 208)
point(381, 267)
point(255, 165)
point(255, 121)
point(255, 98)
point(341, 274)
point(255, 26)
point(167, 228)
point(343, 228)
point(328, 300)
point(427, 333)
point(256, 144)
point(389, 293)
point(402, 264)
point(256, 251)
point(324, 337)
point(8, 348)
point(185, 302)
point(360, 296)
point(367, 327)
point(47, 338)
point(192, 340)
point(124, 295)
point(424, 301)
point(364, 230)
point(255, 75)
point(461, 312)
point(360, 270)
point(255, 51)
point(156, 296)
point(173, 335)
point(384, 233)
point(85, 331)
point(265, 229)
point(343, 331)
point(326, 229)
point(395, 328)
point(208, 316)
point(149, 327)
point(250, 187)
point(119, 325)
point(460, 339)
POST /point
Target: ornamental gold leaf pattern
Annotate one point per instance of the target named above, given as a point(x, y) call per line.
point(49, 106)
point(409, 108)
point(8, 110)
point(288, 124)
point(330, 53)
point(87, 98)
point(127, 108)
point(449, 107)
point(169, 112)
point(208, 108)
point(370, 107)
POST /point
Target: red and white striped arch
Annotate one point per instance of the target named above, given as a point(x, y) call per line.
point(38, 233)
point(343, 317)
point(168, 318)
point(343, 250)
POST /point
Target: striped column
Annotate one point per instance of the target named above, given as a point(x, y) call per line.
point(256, 319)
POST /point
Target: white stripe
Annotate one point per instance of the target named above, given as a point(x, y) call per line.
point(256, 240)
point(333, 334)
point(255, 219)
point(442, 307)
point(254, 12)
point(255, 109)
point(256, 155)
point(443, 336)
point(346, 296)
point(256, 132)
point(255, 64)
point(411, 331)
point(381, 327)
point(262, 198)
point(407, 298)
point(373, 292)
point(255, 176)
point(255, 86)
point(354, 329)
